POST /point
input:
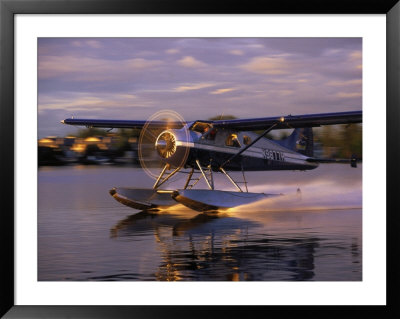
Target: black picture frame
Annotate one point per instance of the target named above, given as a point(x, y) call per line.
point(9, 8)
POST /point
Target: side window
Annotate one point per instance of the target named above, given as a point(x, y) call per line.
point(246, 140)
point(211, 134)
point(232, 140)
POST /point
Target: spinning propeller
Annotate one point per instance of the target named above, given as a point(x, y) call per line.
point(163, 140)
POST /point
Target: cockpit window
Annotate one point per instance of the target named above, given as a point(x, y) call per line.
point(201, 127)
point(232, 140)
point(207, 131)
point(246, 140)
point(210, 134)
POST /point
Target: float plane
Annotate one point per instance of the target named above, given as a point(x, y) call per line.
point(204, 147)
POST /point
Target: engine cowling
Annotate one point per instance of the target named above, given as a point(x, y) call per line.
point(172, 147)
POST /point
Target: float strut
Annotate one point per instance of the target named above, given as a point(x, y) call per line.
point(204, 175)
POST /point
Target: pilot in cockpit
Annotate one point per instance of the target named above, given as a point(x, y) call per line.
point(209, 133)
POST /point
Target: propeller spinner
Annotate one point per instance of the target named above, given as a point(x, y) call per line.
point(161, 144)
point(166, 144)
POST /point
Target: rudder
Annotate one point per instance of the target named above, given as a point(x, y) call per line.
point(301, 140)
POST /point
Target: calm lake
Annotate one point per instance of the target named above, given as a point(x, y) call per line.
point(311, 234)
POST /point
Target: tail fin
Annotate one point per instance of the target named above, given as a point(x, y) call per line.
point(301, 141)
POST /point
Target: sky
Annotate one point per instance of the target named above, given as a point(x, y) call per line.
point(132, 78)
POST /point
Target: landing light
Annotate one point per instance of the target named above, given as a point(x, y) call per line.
point(282, 119)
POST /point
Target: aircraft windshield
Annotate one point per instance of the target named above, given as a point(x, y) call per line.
point(201, 127)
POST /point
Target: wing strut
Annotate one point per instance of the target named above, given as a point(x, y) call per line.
point(230, 178)
point(282, 119)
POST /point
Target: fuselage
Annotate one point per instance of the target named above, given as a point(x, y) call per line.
point(214, 148)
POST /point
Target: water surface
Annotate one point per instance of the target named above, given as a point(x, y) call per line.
point(314, 234)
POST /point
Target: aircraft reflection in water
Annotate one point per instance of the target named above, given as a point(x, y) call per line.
point(212, 246)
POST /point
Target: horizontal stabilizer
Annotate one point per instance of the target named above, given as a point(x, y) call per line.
point(352, 161)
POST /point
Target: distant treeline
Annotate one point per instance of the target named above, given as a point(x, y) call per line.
point(92, 131)
point(340, 141)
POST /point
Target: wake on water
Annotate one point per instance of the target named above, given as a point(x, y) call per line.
point(328, 187)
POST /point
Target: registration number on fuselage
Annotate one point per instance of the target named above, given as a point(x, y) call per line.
point(273, 155)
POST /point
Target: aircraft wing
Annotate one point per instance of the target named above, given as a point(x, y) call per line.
point(119, 123)
point(291, 121)
point(254, 124)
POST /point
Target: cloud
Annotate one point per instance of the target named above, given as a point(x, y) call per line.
point(355, 55)
point(255, 46)
point(345, 83)
point(90, 68)
point(191, 62)
point(87, 43)
point(190, 87)
point(349, 94)
point(285, 92)
point(268, 65)
point(88, 101)
point(333, 52)
point(236, 52)
point(172, 51)
point(222, 91)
